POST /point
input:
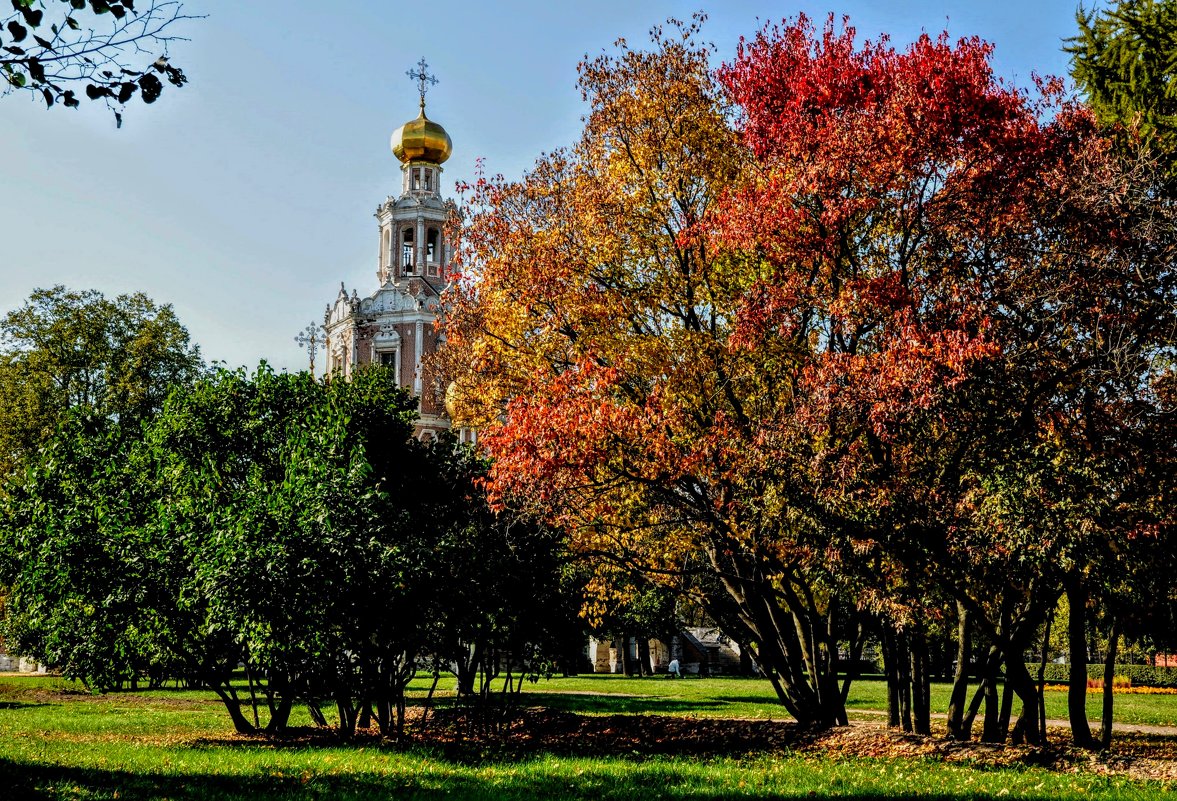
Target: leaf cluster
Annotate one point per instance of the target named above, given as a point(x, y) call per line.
point(99, 50)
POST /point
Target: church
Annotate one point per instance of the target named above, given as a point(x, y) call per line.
point(394, 325)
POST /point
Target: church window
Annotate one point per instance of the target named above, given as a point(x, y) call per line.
point(407, 249)
point(388, 358)
point(417, 178)
point(431, 245)
point(428, 180)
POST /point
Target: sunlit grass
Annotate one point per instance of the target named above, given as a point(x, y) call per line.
point(58, 742)
point(728, 697)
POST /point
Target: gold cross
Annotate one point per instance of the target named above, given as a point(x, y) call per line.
point(423, 78)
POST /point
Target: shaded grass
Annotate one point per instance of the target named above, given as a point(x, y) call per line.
point(59, 743)
point(258, 773)
point(610, 694)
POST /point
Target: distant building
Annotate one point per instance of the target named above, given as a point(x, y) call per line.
point(394, 325)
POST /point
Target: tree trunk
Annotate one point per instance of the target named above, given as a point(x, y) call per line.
point(991, 730)
point(316, 713)
point(280, 716)
point(1042, 675)
point(626, 658)
point(229, 698)
point(779, 612)
point(921, 690)
point(891, 671)
point(1109, 681)
point(987, 676)
point(252, 696)
point(644, 661)
point(855, 659)
point(468, 671)
point(1077, 645)
point(1007, 704)
point(347, 716)
point(960, 680)
point(1026, 729)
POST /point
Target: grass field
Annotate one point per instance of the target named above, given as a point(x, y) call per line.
point(59, 743)
point(754, 698)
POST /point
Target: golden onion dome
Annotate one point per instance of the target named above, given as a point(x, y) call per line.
point(421, 139)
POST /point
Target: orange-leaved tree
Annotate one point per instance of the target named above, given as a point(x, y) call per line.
point(777, 368)
point(983, 285)
point(598, 316)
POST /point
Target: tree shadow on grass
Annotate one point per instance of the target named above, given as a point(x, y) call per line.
point(591, 703)
point(751, 699)
point(52, 782)
point(20, 704)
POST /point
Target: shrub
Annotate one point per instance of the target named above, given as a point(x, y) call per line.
point(1132, 675)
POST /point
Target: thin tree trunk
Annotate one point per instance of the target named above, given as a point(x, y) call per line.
point(1077, 644)
point(280, 717)
point(1109, 680)
point(626, 659)
point(891, 671)
point(428, 705)
point(252, 696)
point(1007, 703)
point(1026, 729)
point(229, 698)
point(316, 713)
point(644, 661)
point(921, 691)
point(990, 730)
point(1042, 675)
point(855, 660)
point(960, 681)
point(988, 677)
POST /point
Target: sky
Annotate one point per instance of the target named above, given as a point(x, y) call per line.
point(244, 198)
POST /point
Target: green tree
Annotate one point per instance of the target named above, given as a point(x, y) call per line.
point(90, 581)
point(297, 527)
point(108, 50)
point(1124, 60)
point(66, 349)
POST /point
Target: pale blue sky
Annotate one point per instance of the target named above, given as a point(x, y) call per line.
point(246, 197)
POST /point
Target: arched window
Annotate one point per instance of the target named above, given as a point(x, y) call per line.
point(417, 178)
point(428, 180)
point(407, 249)
point(432, 245)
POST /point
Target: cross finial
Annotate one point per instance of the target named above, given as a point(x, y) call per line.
point(423, 78)
point(309, 339)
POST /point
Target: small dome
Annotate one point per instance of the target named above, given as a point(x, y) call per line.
point(421, 139)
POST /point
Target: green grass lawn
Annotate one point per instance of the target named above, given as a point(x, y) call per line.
point(59, 743)
point(754, 698)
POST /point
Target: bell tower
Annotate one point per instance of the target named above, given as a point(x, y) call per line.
point(394, 326)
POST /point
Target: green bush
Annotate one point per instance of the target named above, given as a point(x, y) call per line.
point(1139, 675)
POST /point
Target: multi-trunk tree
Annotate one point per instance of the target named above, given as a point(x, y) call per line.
point(852, 357)
point(295, 527)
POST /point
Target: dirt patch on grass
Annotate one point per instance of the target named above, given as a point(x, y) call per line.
point(538, 731)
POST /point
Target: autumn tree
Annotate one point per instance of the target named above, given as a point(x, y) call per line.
point(68, 51)
point(813, 362)
point(969, 276)
point(603, 320)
